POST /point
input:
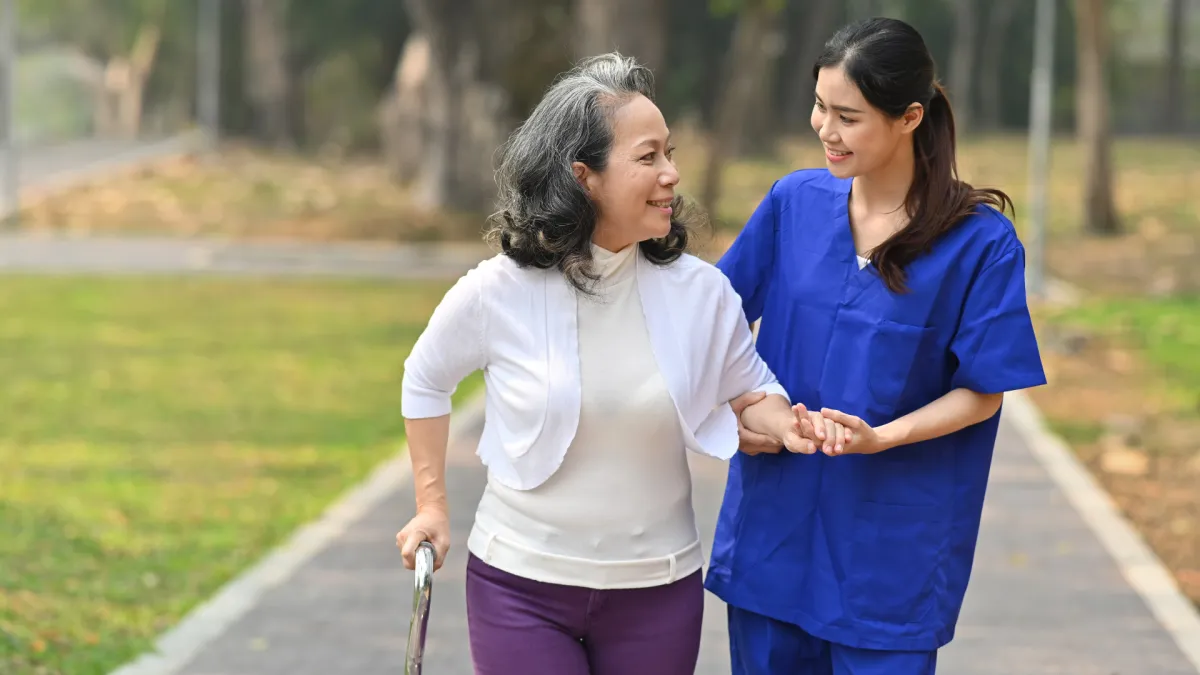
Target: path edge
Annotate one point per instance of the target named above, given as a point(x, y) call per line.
point(1139, 565)
point(176, 648)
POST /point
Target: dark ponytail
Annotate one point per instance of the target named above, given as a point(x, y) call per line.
point(888, 61)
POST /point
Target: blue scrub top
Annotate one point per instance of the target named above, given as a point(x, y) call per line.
point(870, 551)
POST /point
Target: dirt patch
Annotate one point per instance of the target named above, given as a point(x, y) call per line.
point(246, 194)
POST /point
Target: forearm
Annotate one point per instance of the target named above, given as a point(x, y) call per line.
point(427, 440)
point(770, 417)
point(956, 410)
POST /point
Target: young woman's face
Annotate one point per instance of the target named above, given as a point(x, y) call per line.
point(858, 137)
point(634, 192)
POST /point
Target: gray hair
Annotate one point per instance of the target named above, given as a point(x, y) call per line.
point(546, 219)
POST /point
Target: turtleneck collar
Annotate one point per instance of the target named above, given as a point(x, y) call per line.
point(614, 267)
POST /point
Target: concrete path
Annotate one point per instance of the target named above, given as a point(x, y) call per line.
point(1046, 596)
point(41, 254)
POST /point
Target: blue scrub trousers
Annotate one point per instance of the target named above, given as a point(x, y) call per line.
point(760, 645)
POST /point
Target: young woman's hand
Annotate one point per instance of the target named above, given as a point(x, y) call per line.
point(862, 439)
point(827, 435)
point(430, 524)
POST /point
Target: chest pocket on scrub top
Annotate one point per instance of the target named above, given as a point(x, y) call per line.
point(895, 358)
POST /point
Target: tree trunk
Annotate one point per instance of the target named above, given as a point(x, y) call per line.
point(636, 28)
point(818, 27)
point(1092, 116)
point(962, 63)
point(121, 98)
point(749, 56)
point(268, 83)
point(446, 115)
point(990, 85)
point(1174, 103)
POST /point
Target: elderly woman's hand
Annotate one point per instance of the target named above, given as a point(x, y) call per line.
point(750, 442)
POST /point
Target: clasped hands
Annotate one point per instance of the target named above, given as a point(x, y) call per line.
point(800, 430)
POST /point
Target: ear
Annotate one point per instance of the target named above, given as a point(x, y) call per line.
point(583, 174)
point(912, 118)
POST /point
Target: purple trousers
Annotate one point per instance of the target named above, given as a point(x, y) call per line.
point(534, 628)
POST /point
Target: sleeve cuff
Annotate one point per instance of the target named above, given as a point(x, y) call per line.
point(774, 388)
point(416, 404)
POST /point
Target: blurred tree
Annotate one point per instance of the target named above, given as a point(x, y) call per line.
point(811, 23)
point(635, 28)
point(447, 110)
point(1174, 101)
point(962, 66)
point(757, 45)
point(989, 75)
point(123, 35)
point(268, 81)
point(1092, 115)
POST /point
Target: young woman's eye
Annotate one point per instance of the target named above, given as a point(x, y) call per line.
point(671, 152)
point(847, 120)
point(820, 107)
point(648, 157)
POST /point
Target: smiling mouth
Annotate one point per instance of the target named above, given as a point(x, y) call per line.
point(662, 203)
point(838, 153)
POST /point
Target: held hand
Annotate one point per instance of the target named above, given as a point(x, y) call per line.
point(822, 433)
point(749, 442)
point(862, 439)
point(430, 524)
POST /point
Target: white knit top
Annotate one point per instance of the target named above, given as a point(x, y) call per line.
point(618, 512)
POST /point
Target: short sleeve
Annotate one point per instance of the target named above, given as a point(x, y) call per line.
point(995, 344)
point(743, 369)
point(750, 260)
point(450, 348)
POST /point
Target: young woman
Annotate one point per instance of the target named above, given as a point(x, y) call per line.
point(891, 297)
point(607, 353)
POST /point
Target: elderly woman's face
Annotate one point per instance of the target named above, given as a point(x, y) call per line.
point(635, 191)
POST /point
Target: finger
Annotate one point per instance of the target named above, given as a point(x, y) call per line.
point(440, 548)
point(410, 547)
point(818, 426)
point(849, 421)
point(839, 433)
point(831, 436)
point(806, 428)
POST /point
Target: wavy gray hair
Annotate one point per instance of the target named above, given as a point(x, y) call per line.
point(546, 219)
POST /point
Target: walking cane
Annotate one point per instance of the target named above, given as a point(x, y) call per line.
point(422, 593)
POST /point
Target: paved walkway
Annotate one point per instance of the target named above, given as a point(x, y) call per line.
point(43, 254)
point(1046, 597)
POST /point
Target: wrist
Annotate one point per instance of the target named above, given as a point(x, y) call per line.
point(890, 435)
point(438, 506)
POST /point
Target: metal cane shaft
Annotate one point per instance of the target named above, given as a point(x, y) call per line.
point(422, 594)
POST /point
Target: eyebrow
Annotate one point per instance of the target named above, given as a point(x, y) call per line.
point(839, 108)
point(652, 141)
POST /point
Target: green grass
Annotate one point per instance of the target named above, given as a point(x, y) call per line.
point(1165, 330)
point(159, 435)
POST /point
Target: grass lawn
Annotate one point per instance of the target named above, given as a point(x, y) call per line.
point(160, 435)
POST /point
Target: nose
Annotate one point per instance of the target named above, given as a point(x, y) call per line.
point(826, 132)
point(669, 177)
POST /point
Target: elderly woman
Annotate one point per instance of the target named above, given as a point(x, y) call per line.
point(607, 353)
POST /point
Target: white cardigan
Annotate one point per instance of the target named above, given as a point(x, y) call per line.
point(519, 326)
